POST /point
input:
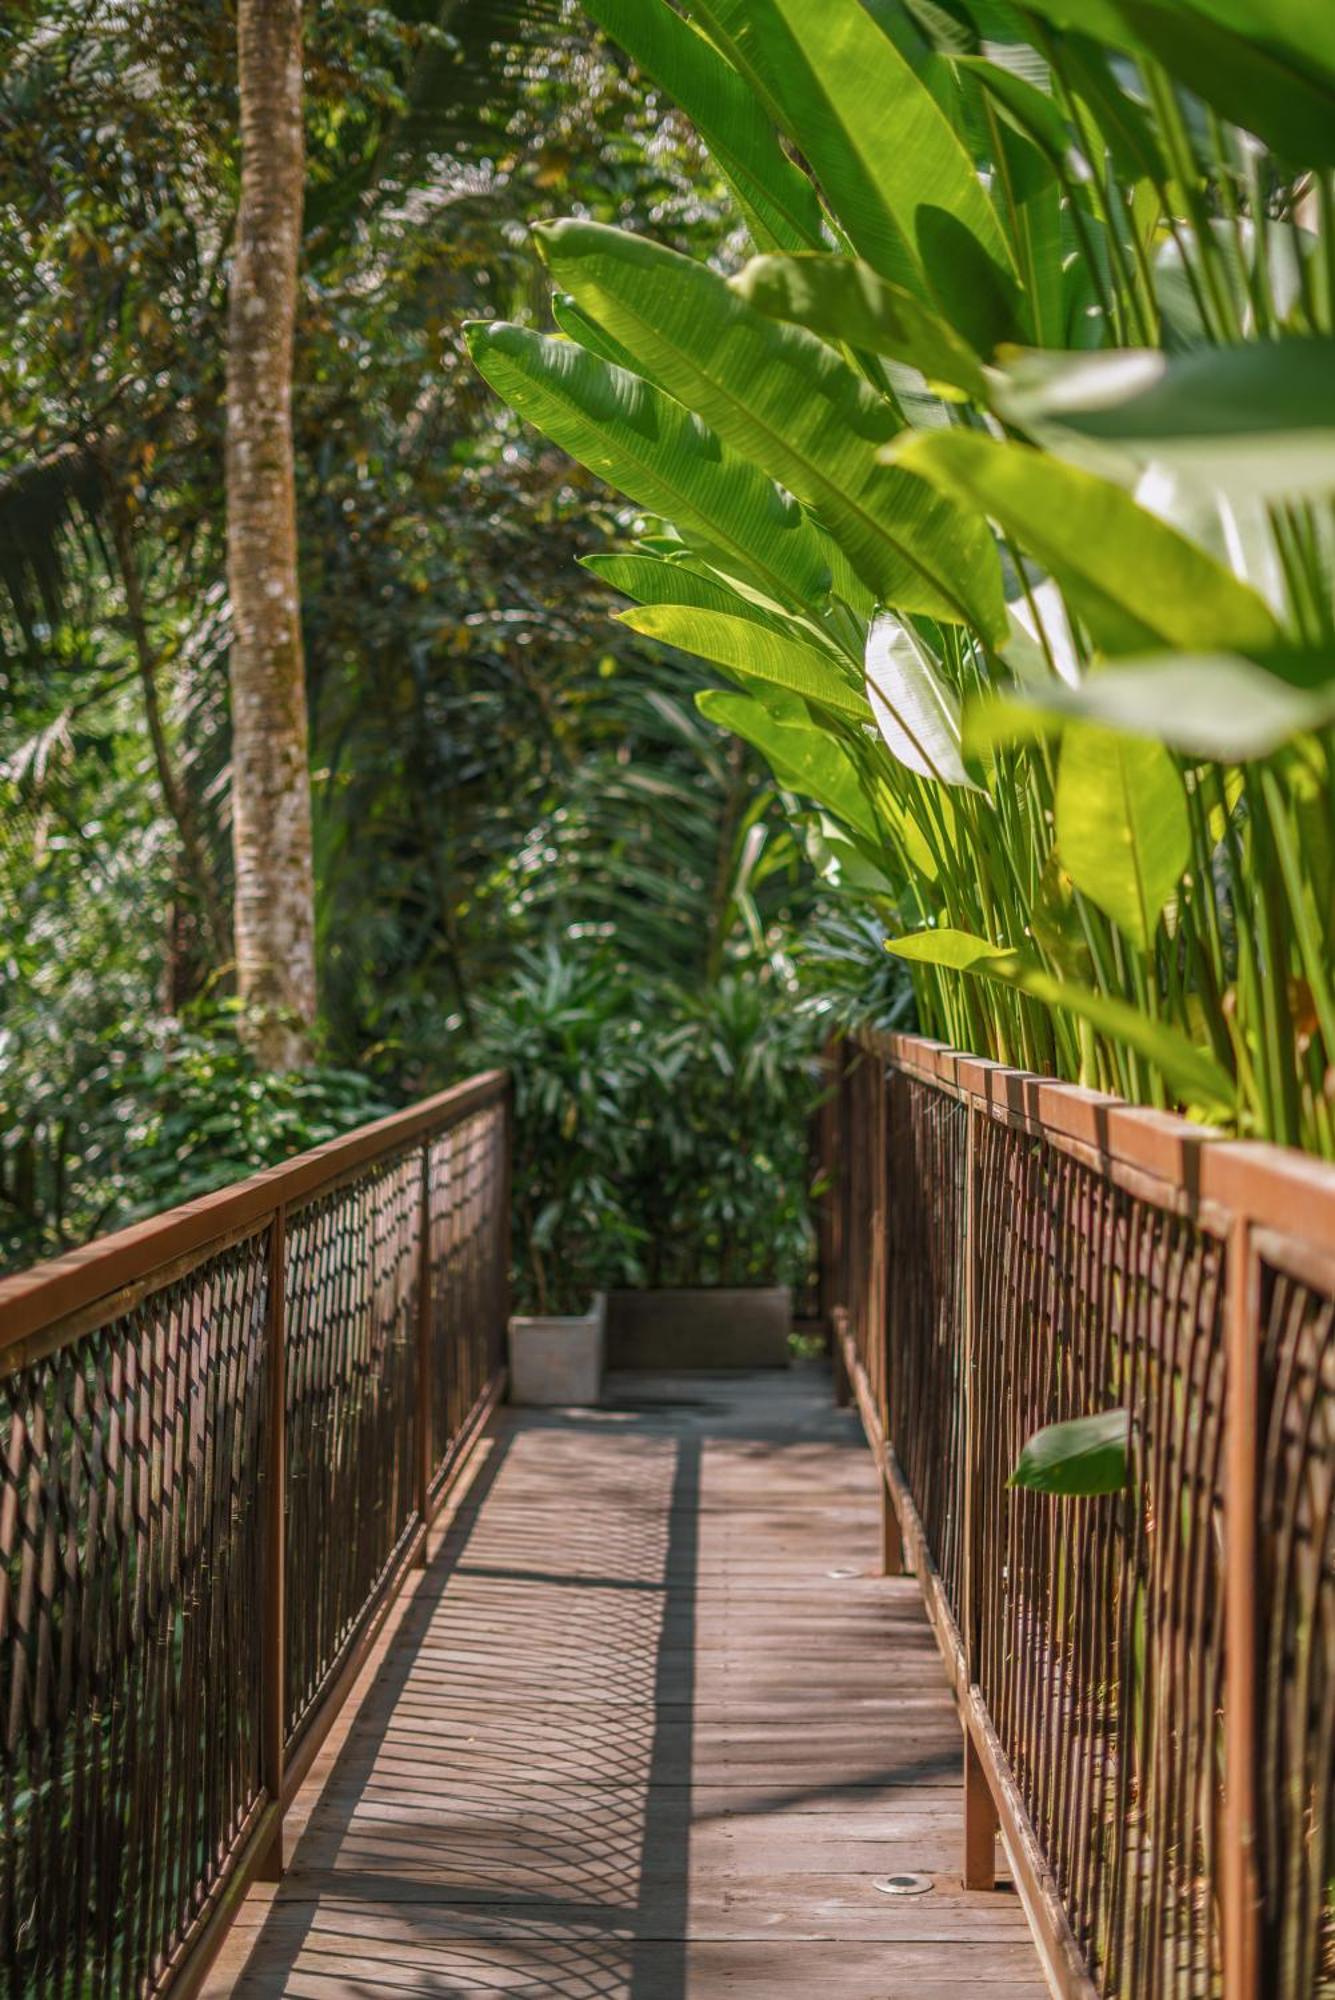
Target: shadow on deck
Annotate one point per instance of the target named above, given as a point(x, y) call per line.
point(650, 1727)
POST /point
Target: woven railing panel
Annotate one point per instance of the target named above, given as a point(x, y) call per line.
point(1297, 1639)
point(1100, 1644)
point(857, 1088)
point(351, 1277)
point(468, 1282)
point(131, 1560)
point(926, 1139)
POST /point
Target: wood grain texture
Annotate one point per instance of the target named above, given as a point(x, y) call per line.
point(650, 1728)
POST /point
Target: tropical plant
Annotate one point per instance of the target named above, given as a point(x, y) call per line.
point(660, 1134)
point(566, 1030)
point(721, 1168)
point(1000, 483)
point(204, 1111)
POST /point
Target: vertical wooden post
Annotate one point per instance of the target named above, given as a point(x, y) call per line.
point(874, 1142)
point(422, 1436)
point(980, 1812)
point(835, 1284)
point(1241, 1886)
point(845, 1139)
point(843, 1392)
point(892, 1541)
point(822, 1174)
point(273, 1669)
point(878, 1341)
point(832, 1284)
point(501, 1351)
point(980, 1821)
point(968, 1619)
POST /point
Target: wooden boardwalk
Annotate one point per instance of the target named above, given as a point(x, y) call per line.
point(651, 1727)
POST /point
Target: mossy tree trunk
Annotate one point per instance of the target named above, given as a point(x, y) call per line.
point(274, 916)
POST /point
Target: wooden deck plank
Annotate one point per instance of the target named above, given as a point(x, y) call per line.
point(650, 1728)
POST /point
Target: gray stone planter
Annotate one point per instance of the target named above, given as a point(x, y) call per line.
point(557, 1359)
point(695, 1328)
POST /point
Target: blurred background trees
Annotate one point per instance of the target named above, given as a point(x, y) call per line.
point(495, 769)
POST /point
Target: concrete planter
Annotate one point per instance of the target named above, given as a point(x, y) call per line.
point(557, 1359)
point(696, 1328)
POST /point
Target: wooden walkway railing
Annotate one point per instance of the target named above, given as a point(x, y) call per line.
point(1147, 1680)
point(223, 1434)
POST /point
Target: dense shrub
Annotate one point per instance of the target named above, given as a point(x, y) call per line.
point(660, 1137)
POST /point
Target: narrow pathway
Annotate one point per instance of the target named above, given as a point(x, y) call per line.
point(651, 1727)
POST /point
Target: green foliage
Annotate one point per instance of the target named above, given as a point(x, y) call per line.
point(1080, 1458)
point(843, 961)
point(491, 765)
point(1053, 393)
point(1122, 827)
point(722, 1163)
point(566, 1031)
point(660, 1136)
point(207, 1116)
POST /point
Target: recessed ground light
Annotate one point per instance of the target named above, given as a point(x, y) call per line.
point(843, 1572)
point(903, 1885)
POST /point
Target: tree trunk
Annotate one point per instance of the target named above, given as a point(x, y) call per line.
point(274, 918)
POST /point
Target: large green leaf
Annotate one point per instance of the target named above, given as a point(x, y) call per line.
point(750, 651)
point(1273, 90)
point(578, 326)
point(1080, 1458)
point(1122, 828)
point(1205, 705)
point(1135, 581)
point(664, 457)
point(917, 713)
point(840, 862)
point(883, 152)
point(1260, 77)
point(1030, 199)
point(1033, 112)
point(1195, 1075)
point(956, 951)
point(779, 199)
point(1114, 114)
point(978, 294)
point(651, 580)
point(803, 755)
point(841, 298)
point(1305, 27)
point(786, 400)
point(1258, 418)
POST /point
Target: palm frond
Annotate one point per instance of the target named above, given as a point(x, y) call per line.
point(46, 507)
point(476, 67)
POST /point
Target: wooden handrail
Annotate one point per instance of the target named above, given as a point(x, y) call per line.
point(35, 1300)
point(1276, 1187)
